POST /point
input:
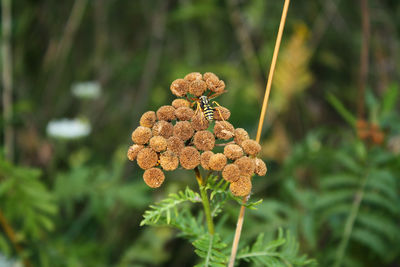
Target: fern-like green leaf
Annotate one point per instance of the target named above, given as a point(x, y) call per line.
point(164, 207)
point(210, 249)
point(280, 252)
point(370, 240)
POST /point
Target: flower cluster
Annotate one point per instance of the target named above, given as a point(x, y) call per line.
point(177, 135)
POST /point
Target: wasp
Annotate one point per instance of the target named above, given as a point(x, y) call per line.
point(207, 109)
point(203, 104)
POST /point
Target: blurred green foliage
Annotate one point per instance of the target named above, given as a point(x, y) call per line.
point(78, 202)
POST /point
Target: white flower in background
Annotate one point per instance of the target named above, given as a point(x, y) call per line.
point(86, 90)
point(68, 129)
point(8, 262)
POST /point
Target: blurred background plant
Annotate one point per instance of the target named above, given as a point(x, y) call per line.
point(95, 66)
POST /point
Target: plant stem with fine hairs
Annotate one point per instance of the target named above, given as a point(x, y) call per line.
point(260, 125)
point(7, 79)
point(204, 199)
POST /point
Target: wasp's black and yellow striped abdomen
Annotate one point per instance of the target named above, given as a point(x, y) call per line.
point(206, 108)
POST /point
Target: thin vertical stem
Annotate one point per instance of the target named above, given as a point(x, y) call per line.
point(272, 69)
point(7, 79)
point(260, 125)
point(206, 203)
point(12, 237)
point(348, 228)
point(364, 58)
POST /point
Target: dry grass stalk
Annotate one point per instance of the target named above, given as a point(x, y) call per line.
point(260, 124)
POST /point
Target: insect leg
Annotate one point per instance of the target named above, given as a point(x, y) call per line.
point(216, 103)
point(216, 94)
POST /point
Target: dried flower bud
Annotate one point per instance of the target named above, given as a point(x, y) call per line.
point(169, 160)
point(183, 130)
point(217, 162)
point(147, 158)
point(177, 103)
point(141, 135)
point(199, 122)
point(163, 128)
point(240, 135)
point(242, 187)
point(166, 113)
point(133, 151)
point(377, 137)
point(220, 87)
point(148, 119)
point(189, 158)
point(175, 144)
point(197, 87)
point(179, 87)
point(231, 173)
point(184, 113)
point(221, 113)
point(261, 168)
point(193, 76)
point(246, 166)
point(205, 159)
point(233, 151)
point(251, 147)
point(213, 82)
point(210, 76)
point(153, 177)
point(223, 130)
point(204, 140)
point(158, 143)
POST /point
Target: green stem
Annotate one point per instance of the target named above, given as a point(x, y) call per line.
point(348, 228)
point(206, 202)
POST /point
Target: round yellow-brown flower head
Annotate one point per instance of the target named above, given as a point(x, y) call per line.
point(133, 151)
point(189, 158)
point(221, 113)
point(158, 143)
point(217, 162)
point(197, 87)
point(240, 135)
point(179, 102)
point(251, 147)
point(210, 78)
point(169, 160)
point(246, 165)
point(261, 168)
point(153, 177)
point(148, 119)
point(193, 76)
point(179, 87)
point(242, 187)
point(220, 87)
point(233, 151)
point(210, 75)
point(204, 140)
point(184, 113)
point(163, 128)
point(183, 130)
point(213, 82)
point(141, 135)
point(231, 173)
point(205, 159)
point(175, 144)
point(199, 122)
point(147, 158)
point(223, 130)
point(166, 113)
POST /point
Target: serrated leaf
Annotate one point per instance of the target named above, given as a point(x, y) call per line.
point(164, 207)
